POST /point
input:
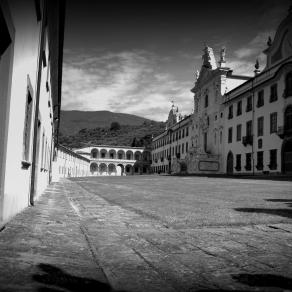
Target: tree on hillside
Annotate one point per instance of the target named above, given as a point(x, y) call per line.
point(115, 126)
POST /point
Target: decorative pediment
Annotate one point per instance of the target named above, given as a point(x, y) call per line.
point(281, 47)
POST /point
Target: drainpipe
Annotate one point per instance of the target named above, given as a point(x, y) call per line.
point(253, 128)
point(36, 115)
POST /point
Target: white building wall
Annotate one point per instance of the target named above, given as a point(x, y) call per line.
point(67, 163)
point(24, 55)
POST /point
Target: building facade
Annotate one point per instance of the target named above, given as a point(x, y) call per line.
point(240, 124)
point(169, 149)
point(117, 160)
point(31, 47)
point(205, 154)
point(258, 123)
point(67, 163)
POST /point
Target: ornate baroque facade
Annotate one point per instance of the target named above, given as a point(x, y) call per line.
point(169, 149)
point(240, 124)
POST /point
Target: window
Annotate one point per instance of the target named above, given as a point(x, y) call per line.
point(274, 93)
point(230, 112)
point(249, 128)
point(187, 145)
point(249, 104)
point(183, 148)
point(238, 162)
point(220, 137)
point(273, 159)
point(27, 122)
point(273, 123)
point(187, 131)
point(179, 134)
point(288, 85)
point(206, 100)
point(230, 135)
point(183, 133)
point(238, 133)
point(205, 142)
point(260, 160)
point(248, 161)
point(260, 101)
point(239, 108)
point(260, 126)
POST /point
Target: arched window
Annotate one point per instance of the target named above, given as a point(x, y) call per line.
point(288, 85)
point(288, 119)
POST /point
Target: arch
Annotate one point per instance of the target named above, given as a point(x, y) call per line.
point(138, 155)
point(112, 154)
point(288, 119)
point(129, 155)
point(103, 169)
point(93, 167)
point(129, 169)
point(120, 169)
point(229, 166)
point(288, 84)
point(121, 154)
point(103, 153)
point(287, 156)
point(94, 153)
point(112, 169)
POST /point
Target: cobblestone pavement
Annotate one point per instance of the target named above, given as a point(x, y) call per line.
point(150, 233)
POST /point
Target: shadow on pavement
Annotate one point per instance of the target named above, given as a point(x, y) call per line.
point(60, 280)
point(287, 201)
point(279, 212)
point(264, 280)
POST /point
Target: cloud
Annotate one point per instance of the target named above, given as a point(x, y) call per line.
point(132, 82)
point(243, 59)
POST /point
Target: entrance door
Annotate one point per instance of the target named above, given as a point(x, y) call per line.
point(230, 163)
point(287, 157)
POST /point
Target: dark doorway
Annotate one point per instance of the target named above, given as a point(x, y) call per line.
point(287, 156)
point(230, 163)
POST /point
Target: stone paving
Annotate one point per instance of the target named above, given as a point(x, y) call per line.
point(150, 233)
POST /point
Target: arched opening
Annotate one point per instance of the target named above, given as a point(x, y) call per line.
point(112, 169)
point(93, 168)
point(129, 169)
point(94, 153)
point(287, 156)
point(129, 155)
point(103, 153)
point(103, 169)
point(229, 169)
point(138, 155)
point(288, 120)
point(121, 154)
point(288, 84)
point(120, 170)
point(112, 154)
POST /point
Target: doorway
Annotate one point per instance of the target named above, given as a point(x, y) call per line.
point(229, 163)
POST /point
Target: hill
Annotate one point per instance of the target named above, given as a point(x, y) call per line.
point(125, 135)
point(73, 121)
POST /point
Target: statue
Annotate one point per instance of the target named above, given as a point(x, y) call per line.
point(222, 54)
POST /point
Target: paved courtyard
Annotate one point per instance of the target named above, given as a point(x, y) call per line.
point(152, 233)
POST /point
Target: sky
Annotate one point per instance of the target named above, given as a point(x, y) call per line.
point(137, 57)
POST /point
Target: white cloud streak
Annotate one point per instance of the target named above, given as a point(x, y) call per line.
point(130, 82)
